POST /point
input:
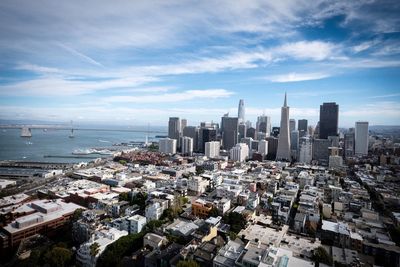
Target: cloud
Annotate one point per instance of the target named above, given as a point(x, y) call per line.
point(314, 50)
point(297, 77)
point(80, 55)
point(59, 86)
point(171, 97)
point(384, 96)
point(37, 69)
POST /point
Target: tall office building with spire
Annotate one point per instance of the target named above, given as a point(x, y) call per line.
point(283, 152)
point(241, 111)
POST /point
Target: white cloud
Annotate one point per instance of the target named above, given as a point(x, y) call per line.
point(59, 86)
point(297, 77)
point(80, 55)
point(384, 96)
point(171, 97)
point(314, 50)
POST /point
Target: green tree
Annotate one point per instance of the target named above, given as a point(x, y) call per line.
point(322, 256)
point(236, 220)
point(94, 249)
point(58, 257)
point(114, 252)
point(77, 215)
point(122, 162)
point(187, 263)
point(214, 212)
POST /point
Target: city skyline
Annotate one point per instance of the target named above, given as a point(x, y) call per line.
point(117, 65)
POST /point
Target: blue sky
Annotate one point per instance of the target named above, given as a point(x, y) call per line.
point(139, 62)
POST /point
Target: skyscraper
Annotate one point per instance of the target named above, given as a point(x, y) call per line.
point(212, 149)
point(283, 152)
point(174, 129)
point(361, 134)
point(241, 111)
point(263, 125)
point(229, 132)
point(302, 127)
point(167, 145)
point(349, 141)
point(292, 125)
point(193, 132)
point(183, 124)
point(206, 135)
point(187, 146)
point(263, 147)
point(240, 152)
point(328, 120)
point(305, 150)
point(294, 143)
point(242, 131)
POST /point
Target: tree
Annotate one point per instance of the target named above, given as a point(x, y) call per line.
point(214, 212)
point(77, 215)
point(321, 255)
point(236, 220)
point(58, 257)
point(122, 162)
point(114, 252)
point(187, 263)
point(94, 249)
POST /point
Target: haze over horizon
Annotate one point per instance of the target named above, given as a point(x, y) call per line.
point(141, 62)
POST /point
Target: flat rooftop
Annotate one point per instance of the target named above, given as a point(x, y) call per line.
point(63, 209)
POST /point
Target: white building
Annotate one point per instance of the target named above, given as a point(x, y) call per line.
point(223, 205)
point(361, 134)
point(263, 147)
point(154, 211)
point(335, 162)
point(197, 184)
point(305, 179)
point(187, 146)
point(212, 149)
point(239, 152)
point(305, 150)
point(136, 223)
point(103, 239)
point(167, 146)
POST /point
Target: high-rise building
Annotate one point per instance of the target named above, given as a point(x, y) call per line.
point(361, 140)
point(212, 149)
point(248, 124)
point(328, 120)
point(335, 160)
point(292, 125)
point(229, 129)
point(263, 147)
point(263, 125)
point(187, 146)
point(272, 147)
point(294, 143)
point(192, 132)
point(305, 150)
point(174, 129)
point(241, 111)
point(321, 151)
point(302, 127)
point(239, 152)
point(183, 124)
point(167, 146)
point(249, 142)
point(242, 131)
point(206, 135)
point(251, 132)
point(283, 152)
point(349, 143)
